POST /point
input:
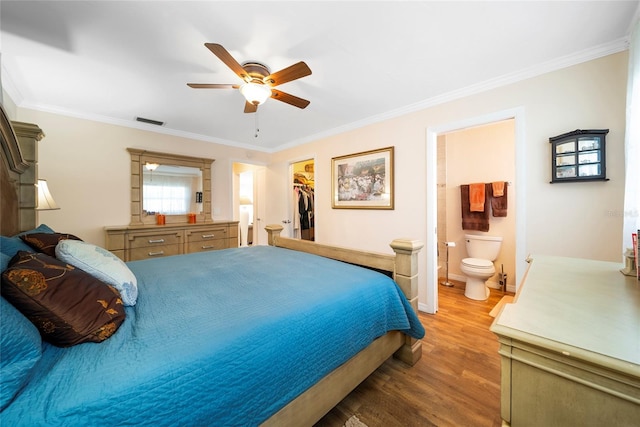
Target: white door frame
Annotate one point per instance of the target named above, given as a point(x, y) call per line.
point(430, 300)
point(259, 206)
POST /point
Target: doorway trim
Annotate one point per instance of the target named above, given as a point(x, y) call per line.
point(430, 291)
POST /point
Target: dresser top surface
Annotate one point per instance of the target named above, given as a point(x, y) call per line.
point(586, 304)
point(169, 226)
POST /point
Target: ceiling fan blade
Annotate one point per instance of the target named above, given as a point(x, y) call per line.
point(288, 74)
point(289, 99)
point(229, 60)
point(250, 108)
point(212, 86)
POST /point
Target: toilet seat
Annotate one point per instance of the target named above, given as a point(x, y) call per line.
point(478, 263)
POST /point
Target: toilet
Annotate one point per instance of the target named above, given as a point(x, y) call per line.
point(478, 268)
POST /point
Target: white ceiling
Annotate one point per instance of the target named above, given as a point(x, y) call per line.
point(371, 60)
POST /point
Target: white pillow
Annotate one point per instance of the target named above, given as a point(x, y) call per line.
point(101, 264)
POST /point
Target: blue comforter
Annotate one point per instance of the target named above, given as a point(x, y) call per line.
point(221, 338)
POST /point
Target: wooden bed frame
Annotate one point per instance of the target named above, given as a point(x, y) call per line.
point(19, 152)
point(314, 403)
point(18, 177)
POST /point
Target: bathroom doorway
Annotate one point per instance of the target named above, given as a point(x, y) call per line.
point(249, 209)
point(484, 153)
point(434, 245)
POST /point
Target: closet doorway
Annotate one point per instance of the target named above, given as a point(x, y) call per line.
point(303, 226)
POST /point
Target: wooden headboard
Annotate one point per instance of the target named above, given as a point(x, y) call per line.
point(18, 174)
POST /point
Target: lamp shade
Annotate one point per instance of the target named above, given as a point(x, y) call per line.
point(151, 166)
point(255, 93)
point(45, 200)
point(244, 201)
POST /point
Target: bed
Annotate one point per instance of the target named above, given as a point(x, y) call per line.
point(266, 335)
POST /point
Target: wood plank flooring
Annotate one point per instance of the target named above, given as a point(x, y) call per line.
point(455, 383)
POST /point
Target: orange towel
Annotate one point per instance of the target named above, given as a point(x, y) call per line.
point(498, 188)
point(476, 197)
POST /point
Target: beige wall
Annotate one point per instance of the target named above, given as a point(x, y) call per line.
point(87, 167)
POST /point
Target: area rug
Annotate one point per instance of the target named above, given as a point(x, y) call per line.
point(354, 422)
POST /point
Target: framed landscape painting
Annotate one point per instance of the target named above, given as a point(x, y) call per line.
point(363, 180)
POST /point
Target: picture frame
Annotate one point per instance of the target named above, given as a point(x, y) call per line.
point(363, 180)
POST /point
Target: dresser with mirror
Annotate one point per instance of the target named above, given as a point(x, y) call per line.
point(170, 209)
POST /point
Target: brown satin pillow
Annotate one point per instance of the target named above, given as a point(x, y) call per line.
point(67, 305)
point(46, 242)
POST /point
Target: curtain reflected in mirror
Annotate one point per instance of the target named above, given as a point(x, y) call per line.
point(172, 190)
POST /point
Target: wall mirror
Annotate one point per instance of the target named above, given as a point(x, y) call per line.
point(170, 184)
point(171, 190)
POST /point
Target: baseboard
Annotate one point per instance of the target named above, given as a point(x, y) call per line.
point(493, 285)
point(490, 284)
point(458, 277)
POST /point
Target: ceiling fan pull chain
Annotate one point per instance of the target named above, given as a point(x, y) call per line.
point(257, 127)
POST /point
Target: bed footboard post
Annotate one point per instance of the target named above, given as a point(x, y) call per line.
point(273, 232)
point(406, 276)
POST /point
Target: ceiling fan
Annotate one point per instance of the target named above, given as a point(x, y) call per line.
point(259, 82)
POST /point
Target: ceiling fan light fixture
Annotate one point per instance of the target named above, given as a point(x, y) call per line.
point(255, 93)
point(151, 166)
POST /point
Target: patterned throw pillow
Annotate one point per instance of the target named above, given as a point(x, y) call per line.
point(102, 265)
point(46, 242)
point(67, 305)
point(10, 246)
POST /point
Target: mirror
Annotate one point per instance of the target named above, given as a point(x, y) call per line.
point(171, 184)
point(171, 190)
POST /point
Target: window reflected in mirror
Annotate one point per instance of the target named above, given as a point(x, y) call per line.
point(172, 190)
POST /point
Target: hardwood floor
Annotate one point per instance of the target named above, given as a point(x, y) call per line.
point(455, 383)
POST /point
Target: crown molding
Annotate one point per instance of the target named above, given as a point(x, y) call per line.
point(10, 88)
point(576, 58)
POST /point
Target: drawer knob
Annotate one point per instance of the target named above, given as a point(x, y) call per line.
point(156, 241)
point(208, 247)
point(208, 236)
point(159, 253)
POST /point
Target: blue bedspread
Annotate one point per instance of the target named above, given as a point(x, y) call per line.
point(221, 338)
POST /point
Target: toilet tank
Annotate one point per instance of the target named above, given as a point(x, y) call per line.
point(483, 247)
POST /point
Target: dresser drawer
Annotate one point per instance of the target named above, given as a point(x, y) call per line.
point(211, 245)
point(155, 239)
point(206, 234)
point(154, 252)
point(132, 243)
